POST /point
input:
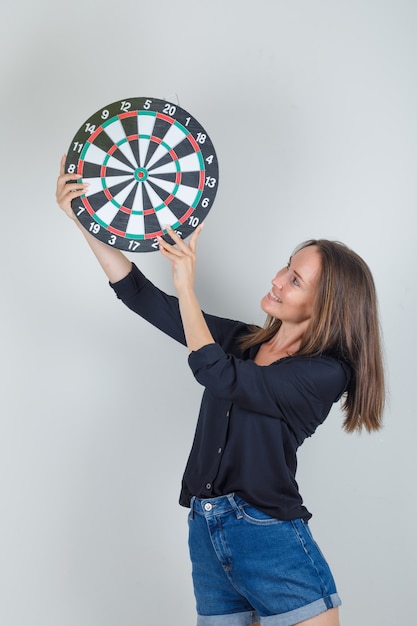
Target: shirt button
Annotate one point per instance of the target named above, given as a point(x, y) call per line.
point(208, 486)
point(208, 506)
point(219, 451)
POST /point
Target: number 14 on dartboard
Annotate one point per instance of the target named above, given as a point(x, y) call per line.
point(149, 165)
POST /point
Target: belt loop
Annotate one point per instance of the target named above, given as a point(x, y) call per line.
point(192, 507)
point(235, 506)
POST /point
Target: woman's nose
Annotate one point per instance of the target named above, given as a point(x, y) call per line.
point(277, 282)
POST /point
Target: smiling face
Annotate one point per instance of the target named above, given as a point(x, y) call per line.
point(294, 288)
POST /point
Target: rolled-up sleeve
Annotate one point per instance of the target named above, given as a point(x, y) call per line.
point(141, 296)
point(228, 377)
point(299, 390)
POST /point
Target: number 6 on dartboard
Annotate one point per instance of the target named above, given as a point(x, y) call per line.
point(149, 164)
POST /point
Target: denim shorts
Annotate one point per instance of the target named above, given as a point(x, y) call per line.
point(248, 567)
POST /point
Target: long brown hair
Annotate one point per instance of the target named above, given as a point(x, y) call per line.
point(344, 324)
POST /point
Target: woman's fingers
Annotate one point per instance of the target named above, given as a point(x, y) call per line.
point(67, 188)
point(195, 236)
point(181, 246)
point(166, 248)
point(68, 181)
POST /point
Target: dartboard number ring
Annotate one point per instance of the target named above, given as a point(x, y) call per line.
point(149, 164)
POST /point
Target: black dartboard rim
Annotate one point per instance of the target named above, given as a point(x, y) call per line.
point(149, 164)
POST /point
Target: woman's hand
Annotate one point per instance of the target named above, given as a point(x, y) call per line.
point(182, 257)
point(114, 263)
point(67, 191)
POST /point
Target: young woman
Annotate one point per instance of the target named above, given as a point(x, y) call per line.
point(254, 560)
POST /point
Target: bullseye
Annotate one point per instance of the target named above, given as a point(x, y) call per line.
point(141, 174)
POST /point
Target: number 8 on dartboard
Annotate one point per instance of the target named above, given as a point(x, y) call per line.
point(149, 165)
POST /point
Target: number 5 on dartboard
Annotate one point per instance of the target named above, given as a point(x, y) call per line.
point(149, 164)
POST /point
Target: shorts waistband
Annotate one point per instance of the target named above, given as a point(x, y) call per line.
point(217, 506)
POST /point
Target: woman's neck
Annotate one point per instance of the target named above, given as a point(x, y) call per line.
point(287, 339)
point(284, 343)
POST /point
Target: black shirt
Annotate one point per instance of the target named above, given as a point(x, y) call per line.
point(252, 418)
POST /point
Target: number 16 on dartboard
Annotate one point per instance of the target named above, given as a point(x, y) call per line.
point(149, 165)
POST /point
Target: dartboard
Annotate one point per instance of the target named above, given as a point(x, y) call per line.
point(149, 164)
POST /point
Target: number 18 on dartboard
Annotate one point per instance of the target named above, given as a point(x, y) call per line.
point(149, 165)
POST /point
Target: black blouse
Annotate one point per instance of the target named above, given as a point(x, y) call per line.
point(252, 418)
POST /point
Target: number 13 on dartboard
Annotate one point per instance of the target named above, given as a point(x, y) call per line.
point(149, 165)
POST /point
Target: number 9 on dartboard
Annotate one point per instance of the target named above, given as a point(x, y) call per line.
point(149, 164)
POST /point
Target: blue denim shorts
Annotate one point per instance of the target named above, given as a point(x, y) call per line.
point(248, 567)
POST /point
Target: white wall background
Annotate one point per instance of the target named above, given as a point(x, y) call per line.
point(311, 105)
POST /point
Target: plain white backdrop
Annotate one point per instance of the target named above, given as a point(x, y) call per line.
point(311, 106)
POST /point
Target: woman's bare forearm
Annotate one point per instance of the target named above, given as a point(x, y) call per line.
point(114, 263)
point(183, 260)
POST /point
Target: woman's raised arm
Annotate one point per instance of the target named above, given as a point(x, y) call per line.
point(114, 263)
point(183, 260)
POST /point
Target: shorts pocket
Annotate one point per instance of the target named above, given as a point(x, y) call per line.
point(255, 516)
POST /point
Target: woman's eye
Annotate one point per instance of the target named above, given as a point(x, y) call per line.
point(294, 278)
